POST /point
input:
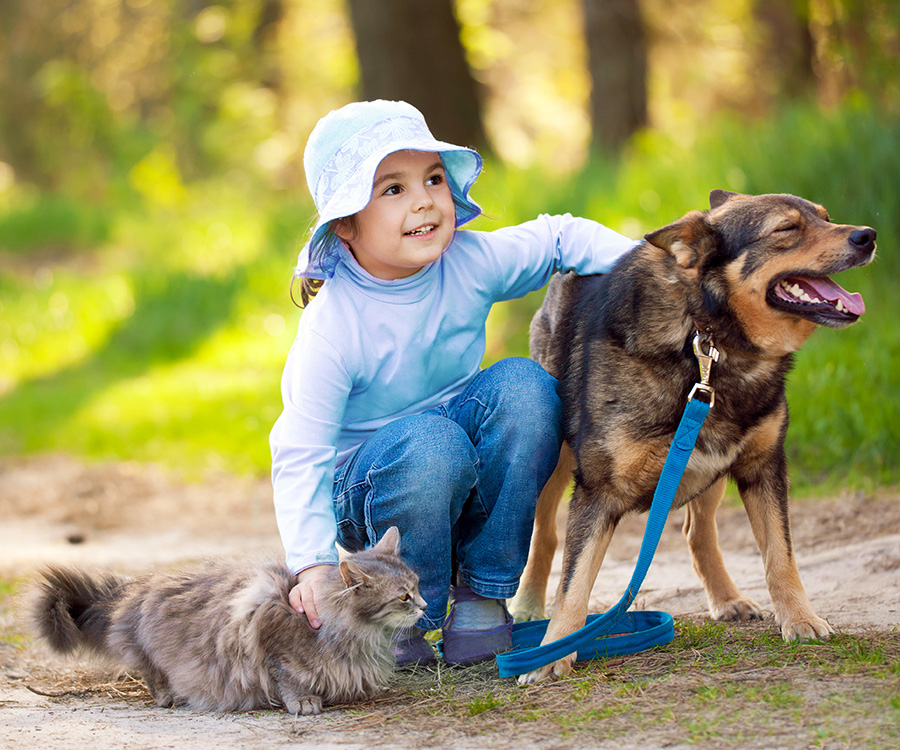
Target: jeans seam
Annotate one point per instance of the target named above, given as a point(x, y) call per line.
point(367, 504)
point(507, 590)
point(349, 489)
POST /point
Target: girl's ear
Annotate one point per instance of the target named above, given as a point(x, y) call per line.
point(343, 229)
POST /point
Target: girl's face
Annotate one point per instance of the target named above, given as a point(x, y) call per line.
point(410, 219)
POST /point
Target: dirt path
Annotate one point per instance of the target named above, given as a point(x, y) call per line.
point(131, 517)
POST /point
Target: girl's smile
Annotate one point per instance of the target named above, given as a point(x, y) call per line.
point(409, 220)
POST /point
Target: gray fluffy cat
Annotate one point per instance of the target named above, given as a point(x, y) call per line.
point(223, 637)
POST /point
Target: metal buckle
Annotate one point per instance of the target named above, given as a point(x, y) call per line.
point(705, 360)
point(708, 390)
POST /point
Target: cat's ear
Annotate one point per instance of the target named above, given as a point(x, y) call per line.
point(389, 544)
point(352, 574)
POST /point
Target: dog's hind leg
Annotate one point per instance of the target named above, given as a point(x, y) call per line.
point(530, 600)
point(702, 535)
point(588, 533)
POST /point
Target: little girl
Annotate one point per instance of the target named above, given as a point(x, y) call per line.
point(388, 418)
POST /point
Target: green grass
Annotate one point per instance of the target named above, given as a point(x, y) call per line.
point(714, 685)
point(9, 632)
point(156, 330)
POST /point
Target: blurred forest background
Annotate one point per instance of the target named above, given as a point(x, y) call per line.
point(152, 197)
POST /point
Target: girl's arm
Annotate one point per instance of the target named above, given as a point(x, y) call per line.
point(522, 258)
point(315, 387)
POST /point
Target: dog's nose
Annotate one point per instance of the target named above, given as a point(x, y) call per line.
point(864, 239)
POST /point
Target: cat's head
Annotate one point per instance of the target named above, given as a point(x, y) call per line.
point(378, 587)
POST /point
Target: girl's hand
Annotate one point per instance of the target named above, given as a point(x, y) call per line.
point(303, 595)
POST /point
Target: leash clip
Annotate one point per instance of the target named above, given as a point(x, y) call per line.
point(705, 360)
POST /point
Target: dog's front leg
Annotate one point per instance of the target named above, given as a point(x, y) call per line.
point(588, 532)
point(528, 603)
point(763, 484)
point(702, 535)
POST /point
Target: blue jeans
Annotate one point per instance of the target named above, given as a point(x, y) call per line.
point(460, 481)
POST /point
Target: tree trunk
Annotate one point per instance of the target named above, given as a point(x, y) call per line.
point(617, 60)
point(787, 45)
point(410, 50)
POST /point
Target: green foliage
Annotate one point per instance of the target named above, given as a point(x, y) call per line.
point(52, 221)
point(844, 389)
point(158, 327)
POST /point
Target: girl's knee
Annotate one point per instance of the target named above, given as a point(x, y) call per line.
point(530, 393)
point(438, 455)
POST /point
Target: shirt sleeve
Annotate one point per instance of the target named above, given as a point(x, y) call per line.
point(525, 256)
point(314, 387)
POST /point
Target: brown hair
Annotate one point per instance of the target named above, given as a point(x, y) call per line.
point(310, 287)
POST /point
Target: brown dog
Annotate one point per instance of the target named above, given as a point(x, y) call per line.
point(751, 276)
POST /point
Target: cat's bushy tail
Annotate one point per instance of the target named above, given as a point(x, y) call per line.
point(71, 609)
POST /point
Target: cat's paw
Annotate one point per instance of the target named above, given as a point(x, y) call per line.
point(162, 694)
point(308, 705)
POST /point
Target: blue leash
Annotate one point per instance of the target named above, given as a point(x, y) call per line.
point(617, 631)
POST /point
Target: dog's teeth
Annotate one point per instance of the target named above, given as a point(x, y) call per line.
point(839, 306)
point(797, 291)
point(805, 297)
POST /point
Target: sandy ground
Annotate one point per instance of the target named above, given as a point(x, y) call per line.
point(129, 517)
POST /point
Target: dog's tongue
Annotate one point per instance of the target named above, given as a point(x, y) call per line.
point(827, 289)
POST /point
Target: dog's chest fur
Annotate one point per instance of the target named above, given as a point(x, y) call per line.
point(640, 403)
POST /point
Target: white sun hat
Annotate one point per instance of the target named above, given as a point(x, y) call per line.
point(342, 156)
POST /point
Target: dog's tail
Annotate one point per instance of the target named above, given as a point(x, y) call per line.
point(72, 610)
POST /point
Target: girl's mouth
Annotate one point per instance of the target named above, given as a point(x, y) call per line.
point(421, 231)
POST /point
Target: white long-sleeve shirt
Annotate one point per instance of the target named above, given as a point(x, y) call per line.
point(369, 351)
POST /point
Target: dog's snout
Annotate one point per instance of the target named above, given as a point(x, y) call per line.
point(864, 239)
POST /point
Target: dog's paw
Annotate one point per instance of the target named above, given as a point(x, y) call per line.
point(550, 672)
point(806, 628)
point(525, 609)
point(741, 609)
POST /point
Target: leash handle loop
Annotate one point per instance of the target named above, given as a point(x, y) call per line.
point(617, 631)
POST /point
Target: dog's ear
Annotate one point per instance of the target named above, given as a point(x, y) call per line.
point(689, 240)
point(718, 197)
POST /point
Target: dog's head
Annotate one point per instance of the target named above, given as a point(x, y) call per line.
point(763, 262)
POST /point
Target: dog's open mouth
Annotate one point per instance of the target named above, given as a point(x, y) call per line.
point(816, 297)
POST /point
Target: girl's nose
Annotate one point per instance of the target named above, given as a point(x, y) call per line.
point(422, 199)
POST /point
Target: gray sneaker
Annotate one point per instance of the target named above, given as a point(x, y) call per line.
point(411, 648)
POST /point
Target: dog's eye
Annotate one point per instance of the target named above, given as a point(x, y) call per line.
point(791, 226)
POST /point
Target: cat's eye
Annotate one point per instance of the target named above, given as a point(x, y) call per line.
point(405, 598)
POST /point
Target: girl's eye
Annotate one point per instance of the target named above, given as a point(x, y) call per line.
point(436, 179)
point(392, 190)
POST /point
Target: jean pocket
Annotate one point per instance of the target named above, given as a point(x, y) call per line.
point(351, 536)
point(349, 511)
